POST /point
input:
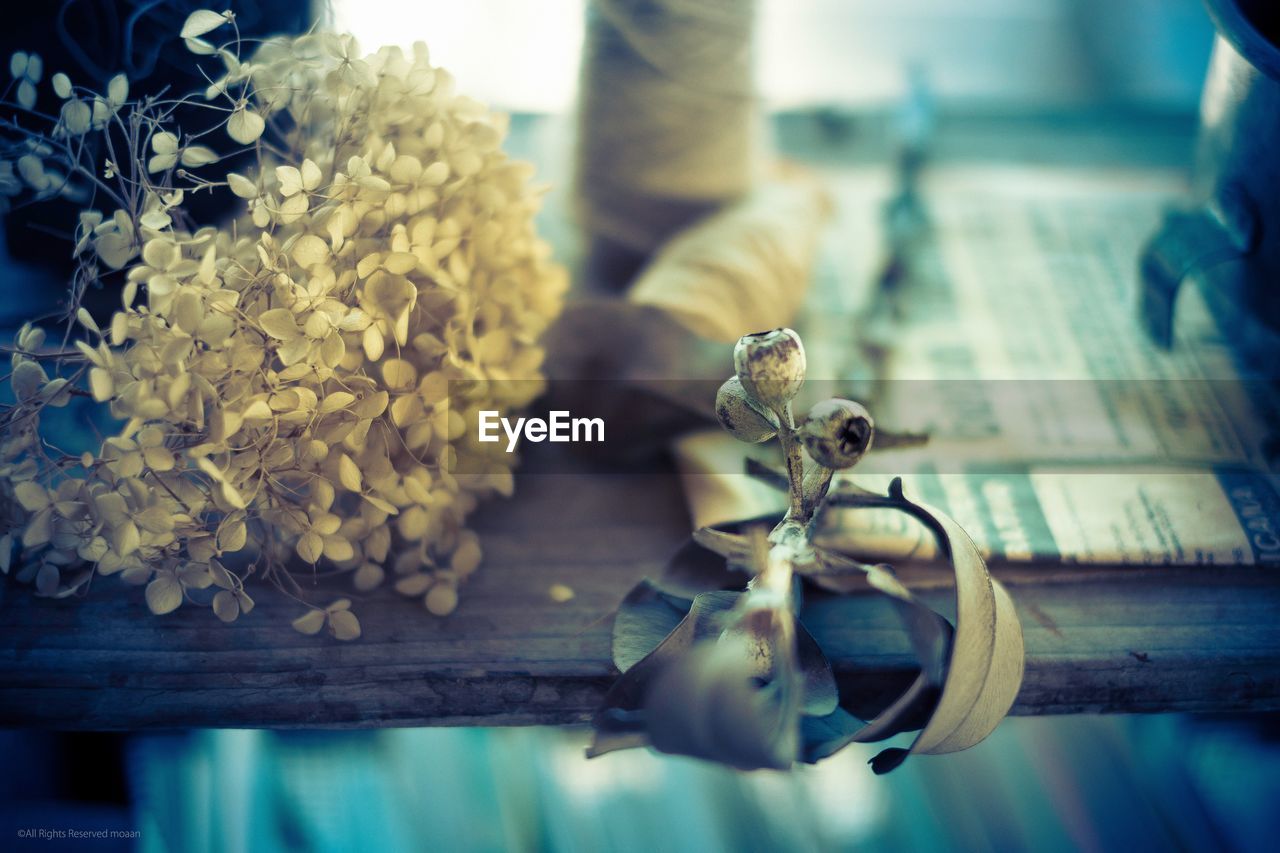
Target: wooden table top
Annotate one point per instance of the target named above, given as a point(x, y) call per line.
point(510, 655)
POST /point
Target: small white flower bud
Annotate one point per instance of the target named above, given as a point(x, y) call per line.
point(771, 366)
point(837, 433)
point(740, 416)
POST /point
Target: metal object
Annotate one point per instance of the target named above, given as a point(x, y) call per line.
point(1235, 212)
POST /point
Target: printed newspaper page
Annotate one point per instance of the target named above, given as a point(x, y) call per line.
point(1058, 433)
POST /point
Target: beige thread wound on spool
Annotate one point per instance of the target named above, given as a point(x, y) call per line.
point(744, 269)
point(667, 116)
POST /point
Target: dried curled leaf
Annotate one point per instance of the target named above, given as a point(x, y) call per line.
point(986, 661)
point(656, 633)
point(687, 691)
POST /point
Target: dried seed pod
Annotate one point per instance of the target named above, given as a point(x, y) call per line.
point(742, 418)
point(771, 366)
point(837, 433)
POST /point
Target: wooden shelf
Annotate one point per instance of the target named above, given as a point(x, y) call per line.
point(511, 656)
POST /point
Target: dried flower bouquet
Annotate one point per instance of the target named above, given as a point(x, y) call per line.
point(287, 391)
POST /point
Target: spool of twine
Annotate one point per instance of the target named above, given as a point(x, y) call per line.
point(667, 116)
point(745, 269)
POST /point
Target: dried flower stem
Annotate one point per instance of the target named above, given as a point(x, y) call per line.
point(794, 458)
point(814, 488)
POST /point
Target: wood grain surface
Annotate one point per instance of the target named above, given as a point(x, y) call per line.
point(511, 656)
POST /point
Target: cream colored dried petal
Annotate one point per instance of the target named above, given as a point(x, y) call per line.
point(381, 505)
point(233, 535)
point(226, 606)
point(372, 342)
point(368, 577)
point(290, 178)
point(245, 126)
point(164, 594)
point(31, 496)
point(310, 546)
point(101, 384)
point(415, 584)
point(311, 175)
point(344, 625)
point(333, 349)
point(435, 174)
point(466, 557)
point(349, 473)
point(310, 250)
point(442, 599)
point(242, 186)
point(310, 622)
point(338, 548)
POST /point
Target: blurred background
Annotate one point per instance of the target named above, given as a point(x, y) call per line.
point(1012, 54)
point(828, 69)
point(1170, 782)
point(834, 71)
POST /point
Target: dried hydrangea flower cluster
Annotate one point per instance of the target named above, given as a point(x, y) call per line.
point(292, 388)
